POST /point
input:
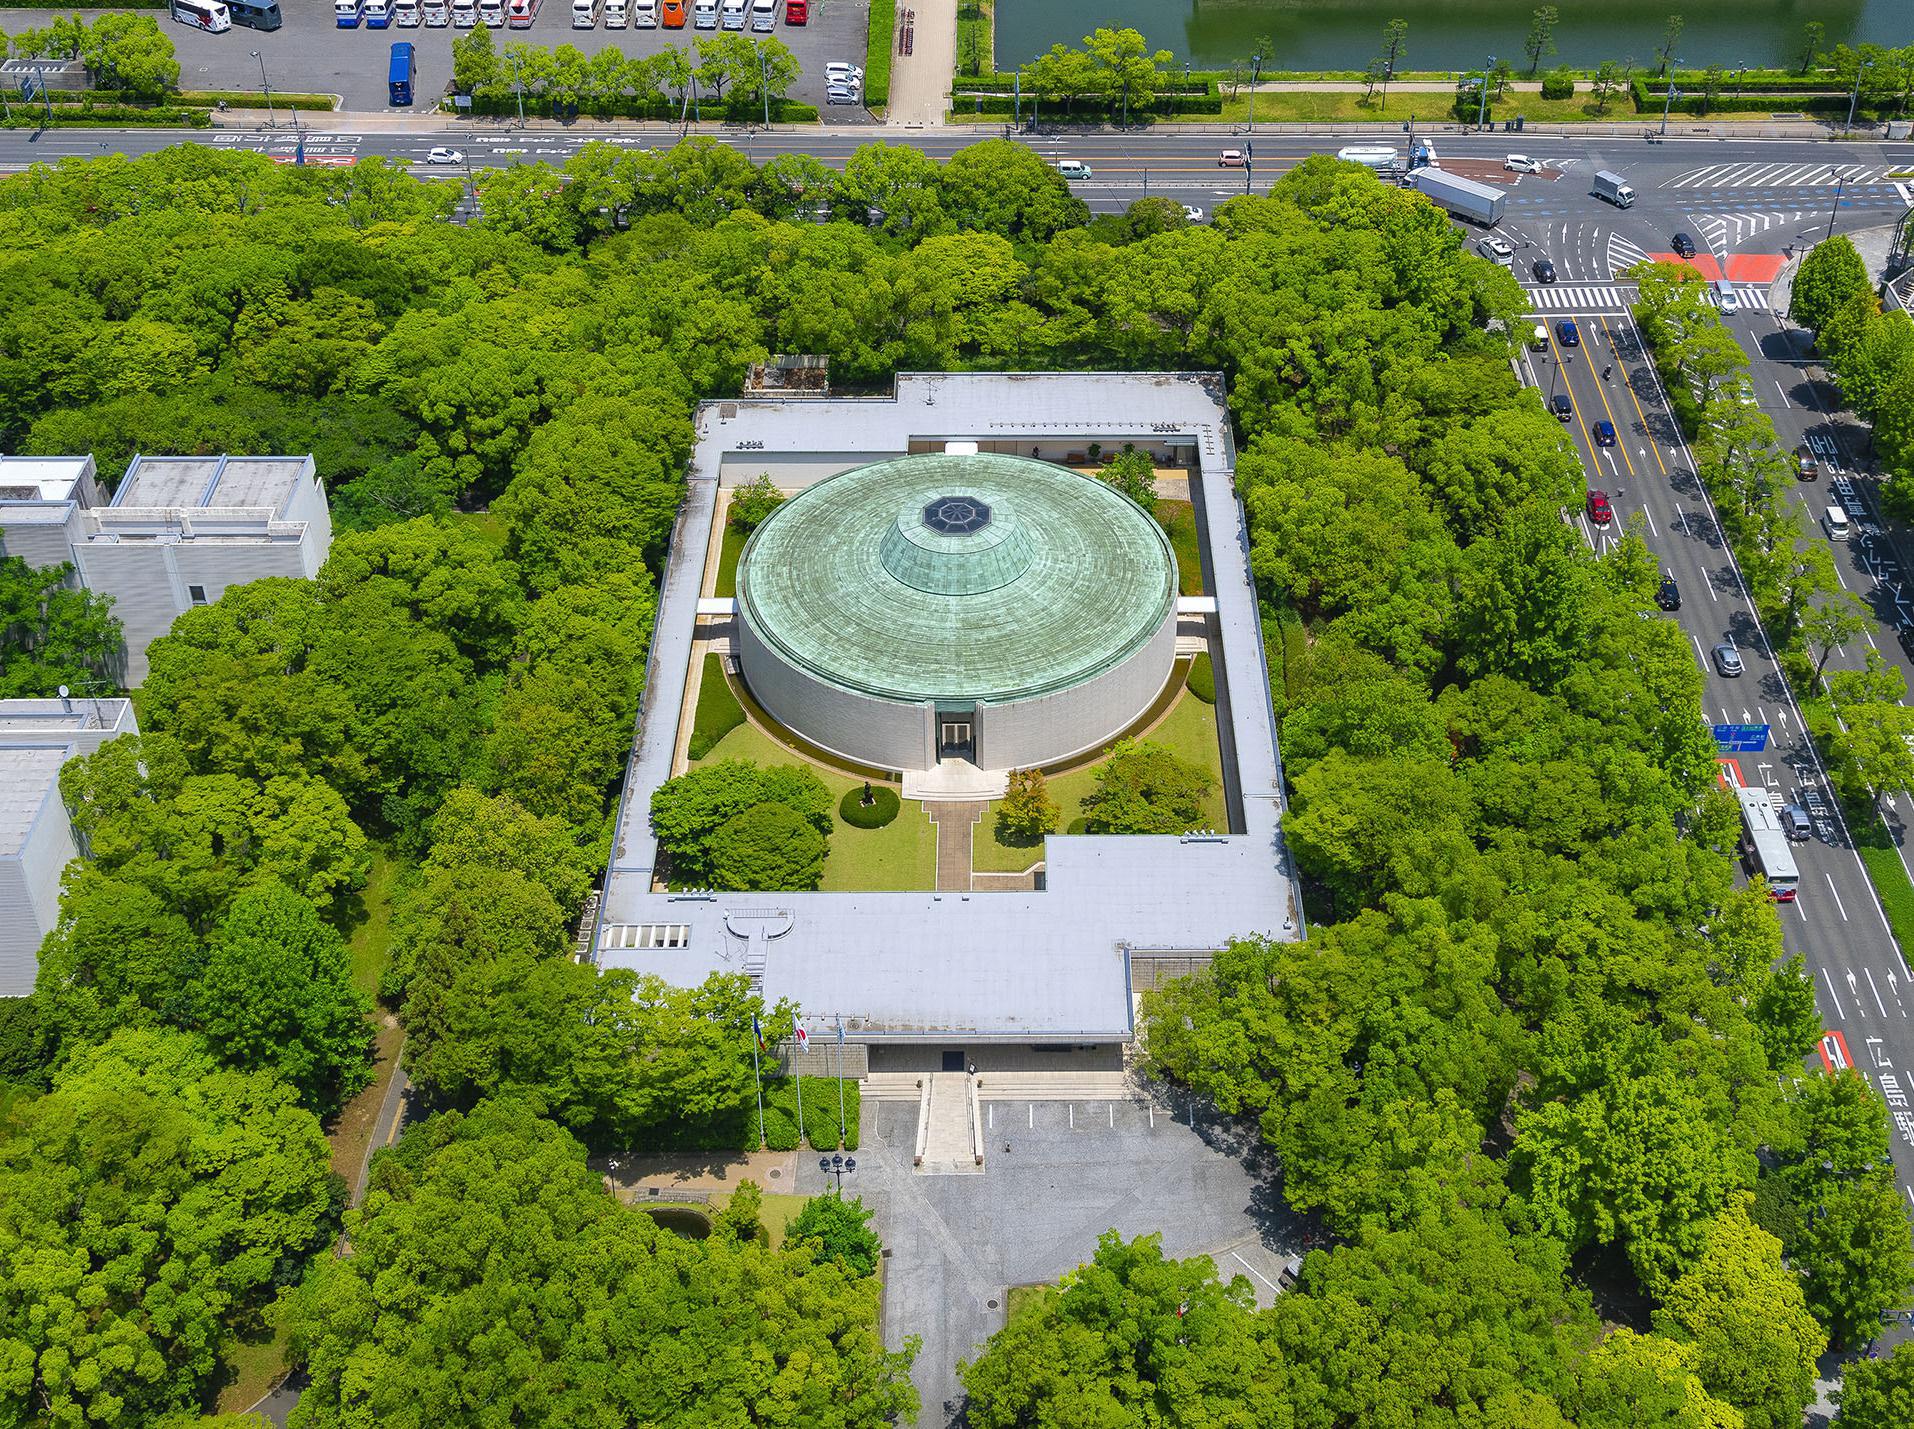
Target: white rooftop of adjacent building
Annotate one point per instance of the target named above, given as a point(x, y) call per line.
point(41, 478)
point(29, 718)
point(264, 483)
point(1051, 964)
point(27, 776)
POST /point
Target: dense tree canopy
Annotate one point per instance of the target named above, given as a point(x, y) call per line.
point(53, 633)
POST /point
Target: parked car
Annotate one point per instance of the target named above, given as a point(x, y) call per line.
point(1563, 409)
point(1567, 334)
point(1727, 660)
point(445, 156)
point(1543, 270)
point(796, 12)
point(1230, 159)
point(1496, 251)
point(838, 71)
point(1668, 593)
point(1603, 432)
point(842, 94)
point(1684, 245)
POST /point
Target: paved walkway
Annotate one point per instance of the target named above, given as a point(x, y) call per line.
point(920, 80)
point(948, 1149)
point(954, 822)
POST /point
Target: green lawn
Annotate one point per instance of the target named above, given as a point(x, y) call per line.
point(1178, 519)
point(725, 581)
point(901, 855)
point(370, 945)
point(254, 1364)
point(1020, 1296)
point(1315, 106)
point(718, 711)
point(1189, 731)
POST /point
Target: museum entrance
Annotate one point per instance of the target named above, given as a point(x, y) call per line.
point(956, 739)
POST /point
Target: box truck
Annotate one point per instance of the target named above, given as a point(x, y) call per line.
point(1465, 198)
point(1614, 188)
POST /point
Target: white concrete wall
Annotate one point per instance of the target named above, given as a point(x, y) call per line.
point(30, 894)
point(1054, 727)
point(887, 733)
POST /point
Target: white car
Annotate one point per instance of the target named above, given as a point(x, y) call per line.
point(843, 69)
point(842, 94)
point(1522, 164)
point(445, 156)
point(1496, 251)
point(1192, 213)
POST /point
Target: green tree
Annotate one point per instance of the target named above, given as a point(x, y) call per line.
point(769, 848)
point(131, 53)
point(1670, 37)
point(739, 1219)
point(1395, 48)
point(53, 634)
point(1134, 474)
point(1741, 1307)
point(1002, 187)
point(1812, 35)
point(1127, 70)
point(754, 501)
point(1143, 788)
point(118, 957)
point(687, 811)
point(492, 1275)
point(1828, 277)
point(153, 1203)
point(1878, 1393)
point(1608, 82)
point(832, 1230)
point(1027, 812)
point(1541, 36)
point(276, 995)
point(1629, 1380)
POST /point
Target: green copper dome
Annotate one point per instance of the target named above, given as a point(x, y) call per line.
point(952, 578)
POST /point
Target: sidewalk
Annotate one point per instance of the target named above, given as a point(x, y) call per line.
point(920, 80)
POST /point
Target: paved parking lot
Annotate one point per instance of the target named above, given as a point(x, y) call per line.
point(310, 53)
point(1057, 1175)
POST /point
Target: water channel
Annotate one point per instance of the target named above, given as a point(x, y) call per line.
point(1452, 34)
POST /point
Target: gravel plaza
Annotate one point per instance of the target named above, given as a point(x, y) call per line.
point(310, 54)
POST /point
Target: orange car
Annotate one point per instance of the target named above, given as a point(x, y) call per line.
point(671, 14)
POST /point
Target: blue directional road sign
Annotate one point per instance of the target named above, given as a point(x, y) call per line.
point(1741, 738)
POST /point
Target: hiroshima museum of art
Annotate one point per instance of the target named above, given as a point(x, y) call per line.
point(947, 594)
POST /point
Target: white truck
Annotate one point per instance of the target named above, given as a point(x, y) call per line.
point(1612, 187)
point(1465, 198)
point(1379, 157)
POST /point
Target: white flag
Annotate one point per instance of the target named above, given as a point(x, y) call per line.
point(803, 1040)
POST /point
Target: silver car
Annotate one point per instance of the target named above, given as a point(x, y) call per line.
point(1728, 660)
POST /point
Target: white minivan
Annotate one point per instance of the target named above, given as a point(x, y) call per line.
point(1073, 168)
point(615, 14)
point(764, 15)
point(584, 14)
point(1837, 524)
point(491, 14)
point(464, 14)
point(438, 14)
point(731, 14)
point(704, 14)
point(644, 14)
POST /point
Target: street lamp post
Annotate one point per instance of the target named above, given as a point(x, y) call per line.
point(1668, 99)
point(266, 84)
point(838, 1165)
point(1255, 75)
point(1839, 180)
point(1855, 98)
point(518, 85)
point(764, 86)
point(1482, 108)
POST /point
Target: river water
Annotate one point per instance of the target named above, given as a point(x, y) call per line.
point(1451, 34)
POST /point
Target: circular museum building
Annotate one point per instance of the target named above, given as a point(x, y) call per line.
point(982, 607)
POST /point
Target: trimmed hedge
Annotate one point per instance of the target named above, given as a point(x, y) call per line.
point(1558, 84)
point(967, 102)
point(1649, 101)
point(116, 116)
point(877, 53)
point(1202, 679)
point(783, 111)
point(883, 807)
point(192, 99)
point(820, 1113)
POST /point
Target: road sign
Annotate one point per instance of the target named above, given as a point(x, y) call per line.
point(28, 85)
point(1741, 738)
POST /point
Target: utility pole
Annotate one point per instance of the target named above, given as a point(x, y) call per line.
point(266, 84)
point(1669, 99)
point(1255, 74)
point(764, 86)
point(518, 86)
point(1482, 109)
point(1855, 98)
point(1839, 180)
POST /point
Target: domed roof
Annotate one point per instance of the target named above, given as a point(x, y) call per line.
point(947, 577)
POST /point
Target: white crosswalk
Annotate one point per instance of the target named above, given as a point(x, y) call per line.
point(1580, 298)
point(1622, 255)
point(1779, 176)
point(1725, 232)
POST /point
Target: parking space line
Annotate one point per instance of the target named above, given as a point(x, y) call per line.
point(1275, 1289)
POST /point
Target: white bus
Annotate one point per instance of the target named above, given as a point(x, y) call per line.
point(208, 15)
point(1766, 843)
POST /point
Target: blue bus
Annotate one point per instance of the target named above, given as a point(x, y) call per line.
point(399, 77)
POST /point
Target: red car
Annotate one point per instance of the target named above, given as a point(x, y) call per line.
point(1599, 511)
point(796, 12)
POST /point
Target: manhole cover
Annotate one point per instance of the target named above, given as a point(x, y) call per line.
point(992, 1304)
point(776, 1173)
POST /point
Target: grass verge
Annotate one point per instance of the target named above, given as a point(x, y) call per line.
point(1349, 106)
point(976, 38)
point(1020, 1297)
point(900, 856)
point(877, 54)
point(370, 946)
point(724, 582)
point(718, 711)
point(254, 1364)
point(1178, 520)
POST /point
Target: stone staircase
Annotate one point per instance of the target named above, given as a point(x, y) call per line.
point(947, 1144)
point(1062, 1086)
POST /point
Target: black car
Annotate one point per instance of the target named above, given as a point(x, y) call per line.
point(1567, 334)
point(1668, 594)
point(1684, 246)
point(1562, 407)
point(1544, 270)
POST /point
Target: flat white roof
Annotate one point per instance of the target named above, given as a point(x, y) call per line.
point(1044, 965)
point(254, 483)
point(29, 777)
point(52, 477)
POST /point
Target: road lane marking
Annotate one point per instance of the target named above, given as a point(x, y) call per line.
point(1869, 972)
point(1833, 995)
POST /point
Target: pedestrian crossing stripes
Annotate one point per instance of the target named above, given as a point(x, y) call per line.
point(1581, 298)
point(1623, 255)
point(1779, 176)
point(1725, 232)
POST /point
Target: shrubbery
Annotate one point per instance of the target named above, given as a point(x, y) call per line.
point(1202, 678)
point(879, 812)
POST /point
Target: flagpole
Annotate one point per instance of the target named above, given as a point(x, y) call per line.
point(842, 1139)
point(757, 1076)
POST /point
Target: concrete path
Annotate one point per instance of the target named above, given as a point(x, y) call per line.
point(954, 824)
point(948, 1150)
point(920, 80)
